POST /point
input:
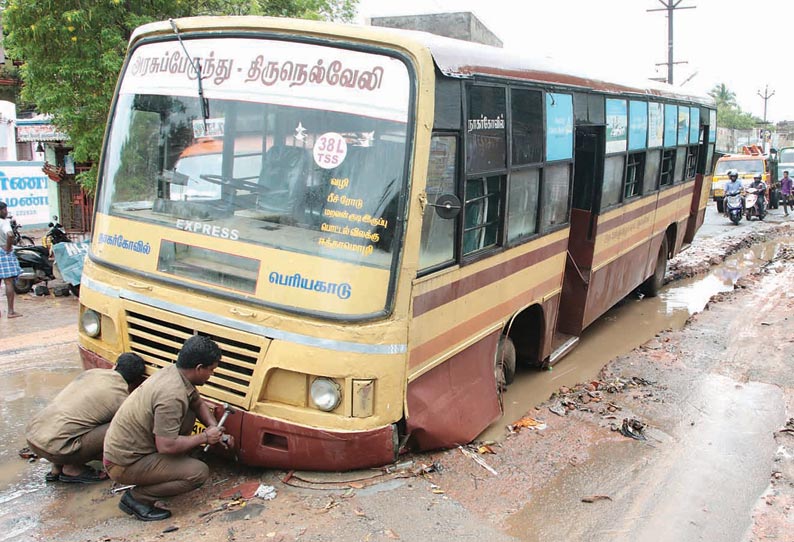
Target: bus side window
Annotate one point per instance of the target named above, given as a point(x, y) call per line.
point(438, 234)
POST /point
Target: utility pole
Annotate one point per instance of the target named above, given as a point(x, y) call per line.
point(670, 6)
point(766, 95)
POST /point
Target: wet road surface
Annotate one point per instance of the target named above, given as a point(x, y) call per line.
point(664, 485)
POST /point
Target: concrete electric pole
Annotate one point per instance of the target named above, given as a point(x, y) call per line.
point(670, 6)
point(766, 95)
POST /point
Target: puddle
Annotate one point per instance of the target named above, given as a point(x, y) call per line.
point(740, 419)
point(626, 326)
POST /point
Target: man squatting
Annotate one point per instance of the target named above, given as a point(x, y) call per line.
point(149, 438)
point(70, 430)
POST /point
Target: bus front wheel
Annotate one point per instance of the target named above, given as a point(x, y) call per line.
point(505, 362)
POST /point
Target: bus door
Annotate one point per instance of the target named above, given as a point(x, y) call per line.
point(590, 142)
point(700, 194)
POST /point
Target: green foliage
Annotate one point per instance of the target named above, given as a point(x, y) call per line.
point(73, 51)
point(729, 114)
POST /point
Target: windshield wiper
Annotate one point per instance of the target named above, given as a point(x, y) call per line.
point(205, 104)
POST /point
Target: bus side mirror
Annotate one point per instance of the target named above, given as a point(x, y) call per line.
point(447, 206)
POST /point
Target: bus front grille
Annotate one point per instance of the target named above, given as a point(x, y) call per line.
point(158, 335)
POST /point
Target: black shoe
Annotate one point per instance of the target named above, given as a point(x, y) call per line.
point(143, 512)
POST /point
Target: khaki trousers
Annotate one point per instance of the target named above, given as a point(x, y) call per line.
point(159, 475)
point(90, 449)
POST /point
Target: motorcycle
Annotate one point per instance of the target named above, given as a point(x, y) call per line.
point(754, 204)
point(734, 207)
point(19, 239)
point(36, 267)
point(56, 234)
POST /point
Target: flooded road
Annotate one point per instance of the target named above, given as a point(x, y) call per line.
point(626, 326)
point(713, 433)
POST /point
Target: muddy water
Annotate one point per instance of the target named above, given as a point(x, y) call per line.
point(25, 388)
point(674, 500)
point(626, 326)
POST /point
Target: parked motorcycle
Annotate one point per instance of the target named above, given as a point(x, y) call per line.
point(753, 203)
point(56, 234)
point(36, 267)
point(734, 207)
point(19, 239)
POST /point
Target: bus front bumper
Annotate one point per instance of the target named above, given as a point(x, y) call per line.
point(266, 442)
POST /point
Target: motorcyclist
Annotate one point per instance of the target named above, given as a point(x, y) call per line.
point(734, 185)
point(759, 186)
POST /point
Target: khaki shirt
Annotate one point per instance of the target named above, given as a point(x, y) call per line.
point(157, 407)
point(89, 401)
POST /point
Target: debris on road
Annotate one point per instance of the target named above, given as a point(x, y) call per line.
point(267, 493)
point(27, 453)
point(788, 428)
point(558, 409)
point(528, 423)
point(477, 459)
point(594, 498)
point(633, 428)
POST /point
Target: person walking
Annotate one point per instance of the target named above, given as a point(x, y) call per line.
point(9, 265)
point(785, 191)
point(70, 431)
point(149, 439)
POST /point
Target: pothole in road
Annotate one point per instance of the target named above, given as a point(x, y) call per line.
point(629, 324)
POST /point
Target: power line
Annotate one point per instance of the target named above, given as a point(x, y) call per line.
point(670, 6)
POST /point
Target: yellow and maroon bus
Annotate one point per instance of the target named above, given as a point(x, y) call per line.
point(375, 225)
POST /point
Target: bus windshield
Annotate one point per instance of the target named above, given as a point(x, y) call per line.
point(301, 150)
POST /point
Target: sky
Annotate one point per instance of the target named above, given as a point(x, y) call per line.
point(739, 43)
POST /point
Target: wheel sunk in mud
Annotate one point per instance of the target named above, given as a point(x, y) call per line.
point(655, 282)
point(504, 365)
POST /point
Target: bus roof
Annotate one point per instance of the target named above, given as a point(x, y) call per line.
point(454, 58)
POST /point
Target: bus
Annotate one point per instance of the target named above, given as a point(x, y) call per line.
point(376, 226)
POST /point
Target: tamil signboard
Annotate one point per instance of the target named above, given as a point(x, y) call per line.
point(23, 186)
point(35, 130)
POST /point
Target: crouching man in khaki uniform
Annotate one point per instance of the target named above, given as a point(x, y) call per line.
point(149, 438)
point(69, 432)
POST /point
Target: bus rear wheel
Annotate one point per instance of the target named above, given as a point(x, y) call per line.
point(505, 362)
point(655, 282)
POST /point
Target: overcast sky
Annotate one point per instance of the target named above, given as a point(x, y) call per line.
point(735, 42)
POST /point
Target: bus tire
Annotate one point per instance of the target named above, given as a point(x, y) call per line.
point(505, 362)
point(654, 283)
point(720, 206)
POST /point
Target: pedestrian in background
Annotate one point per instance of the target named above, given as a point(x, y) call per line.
point(785, 191)
point(150, 438)
point(70, 431)
point(9, 265)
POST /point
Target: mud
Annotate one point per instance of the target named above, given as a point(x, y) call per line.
point(707, 370)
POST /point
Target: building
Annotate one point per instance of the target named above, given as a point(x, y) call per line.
point(461, 25)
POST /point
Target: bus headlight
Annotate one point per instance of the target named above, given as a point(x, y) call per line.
point(325, 394)
point(90, 323)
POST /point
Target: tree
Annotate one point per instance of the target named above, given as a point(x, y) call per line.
point(729, 114)
point(73, 51)
point(723, 96)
